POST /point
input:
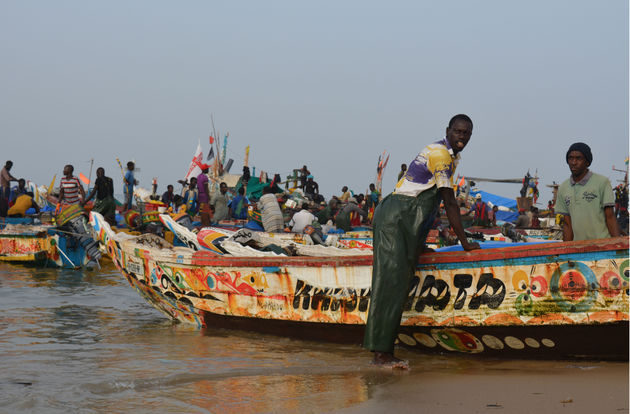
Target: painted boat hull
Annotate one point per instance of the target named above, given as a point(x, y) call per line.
point(557, 300)
point(41, 249)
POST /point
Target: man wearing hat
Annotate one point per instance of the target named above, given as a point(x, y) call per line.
point(586, 199)
point(480, 211)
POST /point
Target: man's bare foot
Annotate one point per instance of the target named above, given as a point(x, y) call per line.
point(388, 360)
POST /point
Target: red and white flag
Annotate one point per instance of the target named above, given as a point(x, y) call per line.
point(194, 169)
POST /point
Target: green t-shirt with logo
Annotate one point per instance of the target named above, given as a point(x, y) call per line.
point(584, 201)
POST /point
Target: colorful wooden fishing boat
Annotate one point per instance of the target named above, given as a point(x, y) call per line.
point(555, 300)
point(42, 246)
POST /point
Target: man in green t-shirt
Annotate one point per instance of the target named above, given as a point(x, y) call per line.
point(586, 199)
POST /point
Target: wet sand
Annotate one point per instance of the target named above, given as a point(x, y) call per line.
point(503, 386)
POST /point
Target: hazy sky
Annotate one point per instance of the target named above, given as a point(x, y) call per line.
point(330, 84)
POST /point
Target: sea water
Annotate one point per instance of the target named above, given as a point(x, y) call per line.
point(85, 341)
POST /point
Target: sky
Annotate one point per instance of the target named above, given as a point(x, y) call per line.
point(329, 84)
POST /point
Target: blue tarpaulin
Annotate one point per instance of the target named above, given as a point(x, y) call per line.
point(509, 216)
point(495, 199)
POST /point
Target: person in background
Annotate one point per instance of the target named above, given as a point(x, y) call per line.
point(403, 171)
point(168, 196)
point(22, 203)
point(301, 219)
point(5, 180)
point(492, 216)
point(622, 221)
point(220, 200)
point(523, 221)
point(238, 205)
point(311, 188)
point(535, 221)
point(20, 189)
point(345, 194)
point(270, 212)
point(373, 197)
point(401, 224)
point(586, 199)
point(328, 212)
point(204, 196)
point(129, 181)
point(190, 196)
point(480, 211)
point(304, 173)
point(105, 203)
point(70, 188)
point(343, 219)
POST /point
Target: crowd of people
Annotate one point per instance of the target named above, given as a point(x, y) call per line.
point(289, 210)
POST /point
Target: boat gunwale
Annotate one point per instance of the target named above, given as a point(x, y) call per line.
point(206, 258)
point(528, 250)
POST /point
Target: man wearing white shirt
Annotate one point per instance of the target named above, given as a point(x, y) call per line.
point(301, 219)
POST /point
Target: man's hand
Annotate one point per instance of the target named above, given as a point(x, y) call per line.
point(471, 246)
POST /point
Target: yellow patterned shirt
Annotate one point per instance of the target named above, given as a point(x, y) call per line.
point(434, 166)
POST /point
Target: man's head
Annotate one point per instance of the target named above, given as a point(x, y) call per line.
point(478, 197)
point(459, 131)
point(266, 190)
point(131, 165)
point(68, 169)
point(579, 158)
point(169, 188)
point(344, 188)
point(21, 183)
point(241, 191)
point(8, 165)
point(372, 187)
point(223, 188)
point(193, 182)
point(100, 172)
point(403, 167)
point(495, 208)
point(309, 177)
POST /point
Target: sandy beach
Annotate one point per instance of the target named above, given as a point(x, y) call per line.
point(503, 386)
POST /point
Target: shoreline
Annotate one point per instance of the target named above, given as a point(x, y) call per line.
point(507, 386)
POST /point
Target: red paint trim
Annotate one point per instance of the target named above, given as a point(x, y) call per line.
point(203, 258)
point(515, 252)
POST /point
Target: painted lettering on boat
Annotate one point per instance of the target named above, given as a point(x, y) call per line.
point(436, 293)
point(334, 299)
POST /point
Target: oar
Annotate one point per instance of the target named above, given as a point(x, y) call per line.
point(66, 256)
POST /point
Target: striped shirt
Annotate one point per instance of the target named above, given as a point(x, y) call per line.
point(271, 214)
point(434, 166)
point(70, 187)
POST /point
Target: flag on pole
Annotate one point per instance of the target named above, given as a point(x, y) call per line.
point(83, 178)
point(462, 182)
point(210, 154)
point(52, 184)
point(194, 169)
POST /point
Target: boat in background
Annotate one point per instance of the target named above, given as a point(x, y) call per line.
point(545, 300)
point(66, 245)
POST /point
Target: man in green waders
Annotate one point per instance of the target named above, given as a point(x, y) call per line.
point(401, 224)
